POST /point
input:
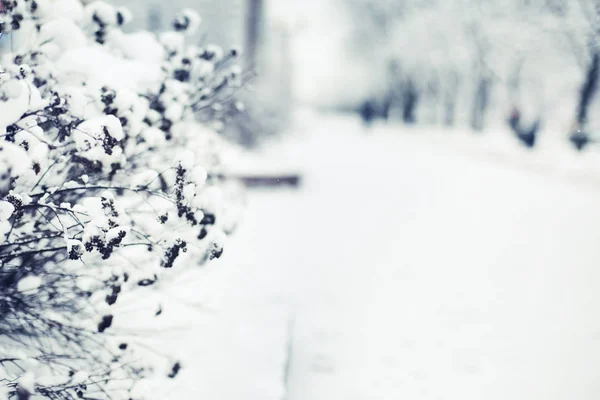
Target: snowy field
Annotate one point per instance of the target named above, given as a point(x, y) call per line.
point(407, 266)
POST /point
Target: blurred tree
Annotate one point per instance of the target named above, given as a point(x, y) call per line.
point(254, 21)
point(469, 61)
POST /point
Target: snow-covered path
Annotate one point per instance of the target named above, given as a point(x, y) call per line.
point(403, 270)
point(414, 272)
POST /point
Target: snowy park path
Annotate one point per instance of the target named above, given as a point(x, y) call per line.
point(402, 269)
point(416, 273)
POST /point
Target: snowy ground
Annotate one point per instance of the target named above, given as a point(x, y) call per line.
point(408, 266)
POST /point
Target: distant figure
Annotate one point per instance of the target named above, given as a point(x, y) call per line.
point(579, 137)
point(410, 99)
point(580, 140)
point(368, 112)
point(386, 107)
point(514, 119)
point(527, 136)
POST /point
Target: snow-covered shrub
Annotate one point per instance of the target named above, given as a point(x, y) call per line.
point(109, 177)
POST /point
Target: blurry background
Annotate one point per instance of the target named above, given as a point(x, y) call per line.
point(245, 25)
point(466, 63)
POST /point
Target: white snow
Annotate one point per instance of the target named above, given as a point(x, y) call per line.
point(27, 382)
point(141, 46)
point(200, 175)
point(29, 284)
point(51, 9)
point(62, 32)
point(405, 267)
point(115, 232)
point(18, 103)
point(6, 210)
point(193, 19)
point(79, 377)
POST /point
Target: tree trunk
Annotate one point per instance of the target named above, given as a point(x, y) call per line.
point(450, 100)
point(588, 89)
point(253, 28)
point(480, 104)
point(410, 100)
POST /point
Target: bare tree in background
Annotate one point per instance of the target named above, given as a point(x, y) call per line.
point(253, 31)
point(590, 83)
point(483, 77)
point(476, 59)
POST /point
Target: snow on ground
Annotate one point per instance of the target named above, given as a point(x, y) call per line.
point(408, 266)
point(435, 275)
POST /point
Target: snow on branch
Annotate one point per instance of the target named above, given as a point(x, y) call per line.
point(109, 178)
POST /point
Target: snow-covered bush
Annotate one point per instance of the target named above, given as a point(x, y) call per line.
point(109, 177)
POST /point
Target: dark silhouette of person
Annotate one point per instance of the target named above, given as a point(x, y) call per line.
point(527, 136)
point(410, 98)
point(368, 112)
point(579, 138)
point(514, 119)
point(386, 107)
